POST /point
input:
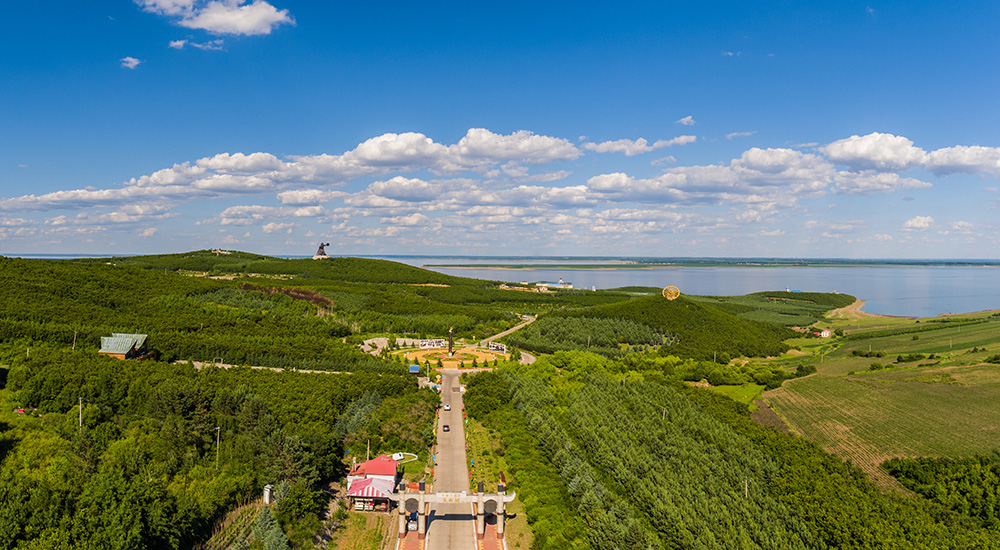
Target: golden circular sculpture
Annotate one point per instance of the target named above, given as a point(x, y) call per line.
point(671, 292)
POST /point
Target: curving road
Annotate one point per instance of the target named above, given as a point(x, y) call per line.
point(527, 321)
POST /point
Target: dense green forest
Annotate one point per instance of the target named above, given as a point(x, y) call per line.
point(780, 308)
point(691, 328)
point(609, 337)
point(970, 486)
point(606, 446)
point(158, 452)
point(648, 463)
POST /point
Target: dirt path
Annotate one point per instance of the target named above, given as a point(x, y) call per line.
point(202, 364)
point(527, 322)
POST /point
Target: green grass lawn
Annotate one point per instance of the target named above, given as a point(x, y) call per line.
point(745, 394)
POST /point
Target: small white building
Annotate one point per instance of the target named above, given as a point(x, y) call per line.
point(548, 284)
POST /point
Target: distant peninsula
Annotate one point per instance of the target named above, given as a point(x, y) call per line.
point(659, 263)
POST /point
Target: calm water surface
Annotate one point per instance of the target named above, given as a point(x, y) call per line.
point(907, 291)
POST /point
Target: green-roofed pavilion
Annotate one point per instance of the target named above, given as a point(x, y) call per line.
point(123, 346)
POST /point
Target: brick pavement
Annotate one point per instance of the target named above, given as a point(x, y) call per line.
point(490, 541)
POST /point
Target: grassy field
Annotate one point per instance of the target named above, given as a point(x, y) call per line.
point(746, 394)
point(941, 406)
point(951, 341)
point(365, 531)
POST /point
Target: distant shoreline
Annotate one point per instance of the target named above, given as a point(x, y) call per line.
point(610, 267)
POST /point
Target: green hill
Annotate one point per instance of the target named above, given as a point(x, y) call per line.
point(334, 268)
point(783, 308)
point(698, 330)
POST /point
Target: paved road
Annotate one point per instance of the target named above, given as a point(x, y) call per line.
point(450, 526)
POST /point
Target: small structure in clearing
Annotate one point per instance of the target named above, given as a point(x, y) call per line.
point(126, 346)
point(369, 484)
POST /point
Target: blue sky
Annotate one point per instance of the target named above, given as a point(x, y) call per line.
point(791, 129)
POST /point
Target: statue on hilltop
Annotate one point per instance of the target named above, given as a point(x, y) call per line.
point(321, 253)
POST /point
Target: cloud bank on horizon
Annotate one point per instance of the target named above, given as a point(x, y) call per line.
point(488, 187)
point(239, 124)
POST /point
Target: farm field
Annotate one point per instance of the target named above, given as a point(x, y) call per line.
point(940, 406)
point(952, 342)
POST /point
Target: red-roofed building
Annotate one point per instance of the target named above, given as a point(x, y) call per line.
point(380, 467)
point(378, 472)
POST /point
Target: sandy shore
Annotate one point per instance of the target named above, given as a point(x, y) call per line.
point(853, 311)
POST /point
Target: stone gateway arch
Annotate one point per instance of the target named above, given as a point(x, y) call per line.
point(483, 503)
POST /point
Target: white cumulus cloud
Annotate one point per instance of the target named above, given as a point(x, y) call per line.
point(686, 121)
point(241, 163)
point(308, 196)
point(236, 17)
point(275, 227)
point(637, 147)
point(130, 62)
point(965, 159)
point(918, 223)
point(481, 146)
point(406, 189)
point(875, 151)
point(414, 219)
point(866, 183)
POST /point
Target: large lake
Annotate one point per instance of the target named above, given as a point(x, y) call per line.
point(906, 291)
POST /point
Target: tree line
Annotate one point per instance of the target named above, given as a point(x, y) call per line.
point(648, 462)
point(157, 452)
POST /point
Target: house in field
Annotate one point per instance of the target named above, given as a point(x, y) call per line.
point(126, 346)
point(369, 484)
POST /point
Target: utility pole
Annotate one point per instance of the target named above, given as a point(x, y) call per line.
point(218, 433)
